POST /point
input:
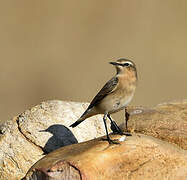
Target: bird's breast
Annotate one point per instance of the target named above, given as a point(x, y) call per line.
point(116, 101)
point(121, 96)
point(121, 101)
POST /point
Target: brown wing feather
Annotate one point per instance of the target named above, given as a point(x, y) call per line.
point(107, 89)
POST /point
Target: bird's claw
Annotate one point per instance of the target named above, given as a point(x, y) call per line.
point(110, 141)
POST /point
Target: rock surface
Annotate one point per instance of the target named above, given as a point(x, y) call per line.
point(167, 121)
point(138, 157)
point(43, 128)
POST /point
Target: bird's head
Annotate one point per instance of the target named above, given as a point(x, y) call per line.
point(124, 65)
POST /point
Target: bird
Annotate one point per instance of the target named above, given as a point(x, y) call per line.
point(115, 95)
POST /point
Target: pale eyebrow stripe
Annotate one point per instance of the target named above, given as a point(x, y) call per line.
point(129, 62)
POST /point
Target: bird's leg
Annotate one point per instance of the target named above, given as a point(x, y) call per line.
point(114, 127)
point(126, 118)
point(110, 141)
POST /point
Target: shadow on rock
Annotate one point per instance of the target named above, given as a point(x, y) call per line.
point(62, 136)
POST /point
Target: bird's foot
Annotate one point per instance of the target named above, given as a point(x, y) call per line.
point(110, 141)
point(123, 133)
point(126, 134)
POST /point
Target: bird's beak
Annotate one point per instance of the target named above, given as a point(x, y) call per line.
point(114, 63)
point(42, 130)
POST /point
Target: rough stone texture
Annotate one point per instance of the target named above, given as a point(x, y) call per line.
point(138, 157)
point(23, 141)
point(167, 121)
point(17, 154)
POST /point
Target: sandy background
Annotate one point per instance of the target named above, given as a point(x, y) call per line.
point(61, 49)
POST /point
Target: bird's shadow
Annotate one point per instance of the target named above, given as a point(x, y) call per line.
point(62, 136)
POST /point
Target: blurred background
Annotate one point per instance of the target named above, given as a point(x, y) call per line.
point(61, 49)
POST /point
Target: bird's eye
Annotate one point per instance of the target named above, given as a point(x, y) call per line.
point(126, 64)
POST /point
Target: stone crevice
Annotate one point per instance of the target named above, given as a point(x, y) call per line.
point(77, 169)
point(20, 130)
point(140, 166)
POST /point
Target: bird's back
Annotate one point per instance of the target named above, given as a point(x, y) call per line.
point(107, 89)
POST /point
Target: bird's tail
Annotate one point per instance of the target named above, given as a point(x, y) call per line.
point(88, 113)
point(77, 122)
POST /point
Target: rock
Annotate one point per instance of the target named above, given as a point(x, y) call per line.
point(42, 129)
point(17, 153)
point(138, 157)
point(167, 121)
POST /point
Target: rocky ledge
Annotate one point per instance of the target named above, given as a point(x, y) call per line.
point(42, 129)
point(156, 149)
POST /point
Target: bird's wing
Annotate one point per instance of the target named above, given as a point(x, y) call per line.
point(108, 88)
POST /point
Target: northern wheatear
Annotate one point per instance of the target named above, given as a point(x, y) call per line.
point(114, 96)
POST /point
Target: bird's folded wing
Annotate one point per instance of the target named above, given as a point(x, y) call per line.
point(108, 88)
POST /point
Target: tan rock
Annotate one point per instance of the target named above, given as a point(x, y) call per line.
point(167, 121)
point(17, 154)
point(138, 157)
point(22, 141)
